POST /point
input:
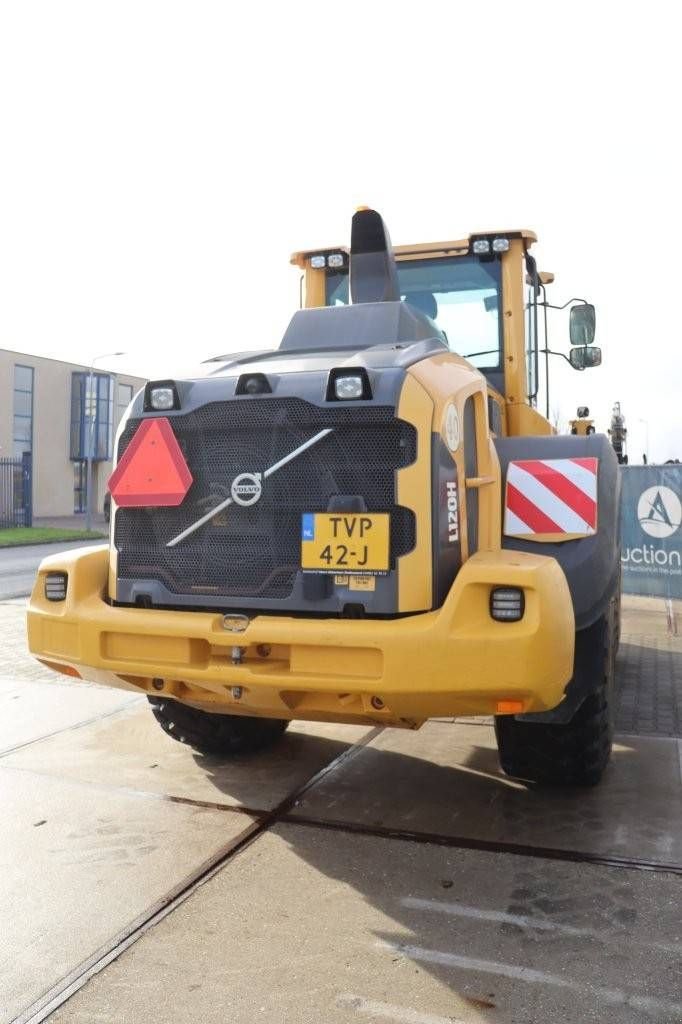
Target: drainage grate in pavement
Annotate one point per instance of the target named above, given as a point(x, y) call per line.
point(649, 685)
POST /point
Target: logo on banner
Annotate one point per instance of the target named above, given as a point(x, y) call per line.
point(659, 512)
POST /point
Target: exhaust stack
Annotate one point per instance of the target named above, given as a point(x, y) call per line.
point(372, 273)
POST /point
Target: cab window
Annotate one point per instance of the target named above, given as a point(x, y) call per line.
point(461, 294)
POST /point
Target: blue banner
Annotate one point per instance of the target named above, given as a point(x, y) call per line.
point(651, 519)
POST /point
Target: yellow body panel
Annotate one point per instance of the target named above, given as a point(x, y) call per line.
point(451, 379)
point(524, 421)
point(415, 569)
point(452, 661)
point(582, 427)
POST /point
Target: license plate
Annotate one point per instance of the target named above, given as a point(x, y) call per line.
point(336, 542)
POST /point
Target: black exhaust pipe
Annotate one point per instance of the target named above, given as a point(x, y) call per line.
point(373, 275)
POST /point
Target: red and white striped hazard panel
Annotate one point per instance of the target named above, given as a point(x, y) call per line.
point(551, 498)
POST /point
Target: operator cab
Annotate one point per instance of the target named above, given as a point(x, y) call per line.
point(456, 285)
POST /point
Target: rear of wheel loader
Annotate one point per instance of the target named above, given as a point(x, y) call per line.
point(372, 523)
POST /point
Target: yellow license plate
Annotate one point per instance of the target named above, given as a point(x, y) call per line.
point(345, 542)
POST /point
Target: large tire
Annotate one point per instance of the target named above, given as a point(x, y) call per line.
point(572, 754)
point(210, 733)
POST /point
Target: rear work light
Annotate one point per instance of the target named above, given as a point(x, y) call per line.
point(348, 384)
point(507, 604)
point(161, 396)
point(55, 586)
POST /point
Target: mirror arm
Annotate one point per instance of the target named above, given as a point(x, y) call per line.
point(549, 352)
point(549, 305)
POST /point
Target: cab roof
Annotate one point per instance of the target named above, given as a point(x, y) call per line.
point(452, 248)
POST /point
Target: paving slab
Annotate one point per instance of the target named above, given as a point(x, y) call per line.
point(445, 779)
point(131, 751)
point(78, 864)
point(308, 926)
point(30, 711)
point(649, 675)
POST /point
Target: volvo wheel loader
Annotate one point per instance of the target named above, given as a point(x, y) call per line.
point(371, 523)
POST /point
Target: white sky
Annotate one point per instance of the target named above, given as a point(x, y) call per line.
point(160, 160)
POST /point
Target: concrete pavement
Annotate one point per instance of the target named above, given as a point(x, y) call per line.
point(148, 882)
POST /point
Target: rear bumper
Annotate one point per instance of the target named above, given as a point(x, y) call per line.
point(452, 661)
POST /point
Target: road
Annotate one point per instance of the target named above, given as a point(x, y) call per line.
point(18, 566)
point(348, 875)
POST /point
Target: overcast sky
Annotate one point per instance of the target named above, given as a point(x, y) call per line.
point(160, 160)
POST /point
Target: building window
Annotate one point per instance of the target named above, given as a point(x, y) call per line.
point(124, 396)
point(22, 435)
point(92, 411)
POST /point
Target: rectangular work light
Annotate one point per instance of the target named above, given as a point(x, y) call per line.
point(348, 384)
point(507, 604)
point(161, 398)
point(55, 586)
point(348, 388)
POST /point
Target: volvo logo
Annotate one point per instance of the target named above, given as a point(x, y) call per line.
point(246, 488)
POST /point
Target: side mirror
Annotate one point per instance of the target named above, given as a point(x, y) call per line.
point(582, 324)
point(585, 358)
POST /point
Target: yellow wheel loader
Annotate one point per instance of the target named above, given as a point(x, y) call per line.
point(582, 425)
point(371, 523)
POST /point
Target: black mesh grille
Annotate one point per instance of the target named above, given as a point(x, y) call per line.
point(255, 551)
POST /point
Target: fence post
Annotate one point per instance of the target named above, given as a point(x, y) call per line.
point(27, 488)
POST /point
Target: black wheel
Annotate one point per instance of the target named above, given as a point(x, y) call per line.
point(215, 734)
point(575, 753)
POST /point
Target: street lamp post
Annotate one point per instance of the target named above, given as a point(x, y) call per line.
point(646, 424)
point(91, 401)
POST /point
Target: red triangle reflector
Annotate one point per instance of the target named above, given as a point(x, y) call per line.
point(152, 470)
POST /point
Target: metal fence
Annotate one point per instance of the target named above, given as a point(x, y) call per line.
point(651, 524)
point(16, 492)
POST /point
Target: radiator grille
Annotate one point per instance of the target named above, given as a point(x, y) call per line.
point(255, 551)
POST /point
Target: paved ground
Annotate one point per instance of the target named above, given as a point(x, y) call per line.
point(347, 875)
point(18, 565)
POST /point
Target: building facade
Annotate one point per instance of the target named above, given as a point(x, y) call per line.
point(48, 409)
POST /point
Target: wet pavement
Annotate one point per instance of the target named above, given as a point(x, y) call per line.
point(349, 874)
